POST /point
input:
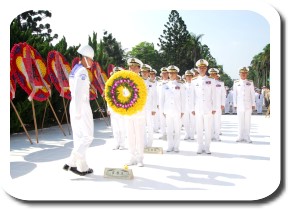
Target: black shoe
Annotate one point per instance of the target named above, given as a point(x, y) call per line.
point(76, 171)
point(72, 169)
point(67, 167)
point(89, 171)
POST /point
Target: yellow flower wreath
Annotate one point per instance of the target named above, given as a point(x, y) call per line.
point(126, 92)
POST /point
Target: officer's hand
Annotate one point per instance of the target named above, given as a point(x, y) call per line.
point(222, 107)
point(213, 112)
point(153, 113)
point(164, 115)
point(193, 112)
point(108, 112)
point(181, 115)
point(253, 107)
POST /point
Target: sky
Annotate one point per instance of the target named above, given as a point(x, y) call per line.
point(233, 36)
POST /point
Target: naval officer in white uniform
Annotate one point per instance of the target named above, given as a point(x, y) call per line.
point(135, 125)
point(189, 118)
point(204, 106)
point(220, 103)
point(244, 103)
point(151, 104)
point(172, 107)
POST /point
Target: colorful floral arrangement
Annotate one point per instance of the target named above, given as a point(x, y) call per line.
point(125, 92)
point(97, 82)
point(30, 71)
point(58, 70)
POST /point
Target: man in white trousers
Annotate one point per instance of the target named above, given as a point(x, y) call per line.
point(204, 106)
point(234, 110)
point(81, 113)
point(117, 123)
point(244, 102)
point(172, 107)
point(151, 104)
point(259, 98)
point(220, 103)
point(189, 118)
point(156, 123)
point(135, 125)
point(229, 100)
point(161, 82)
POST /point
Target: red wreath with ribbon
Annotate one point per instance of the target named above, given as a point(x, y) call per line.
point(58, 70)
point(99, 81)
point(30, 71)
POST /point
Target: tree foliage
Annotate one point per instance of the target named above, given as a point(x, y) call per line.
point(260, 68)
point(173, 42)
point(114, 50)
point(146, 52)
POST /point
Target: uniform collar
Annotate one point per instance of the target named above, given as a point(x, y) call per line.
point(203, 77)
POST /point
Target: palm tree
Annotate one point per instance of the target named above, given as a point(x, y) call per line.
point(260, 65)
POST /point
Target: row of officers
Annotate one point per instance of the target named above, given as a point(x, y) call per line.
point(197, 104)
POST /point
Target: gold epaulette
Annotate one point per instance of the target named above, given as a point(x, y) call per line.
point(194, 78)
point(152, 81)
point(236, 80)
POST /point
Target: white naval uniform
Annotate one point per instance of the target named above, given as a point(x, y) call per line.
point(150, 106)
point(234, 111)
point(189, 118)
point(156, 123)
point(172, 105)
point(244, 100)
point(118, 127)
point(220, 101)
point(229, 101)
point(162, 122)
point(204, 104)
point(135, 125)
point(259, 99)
point(81, 117)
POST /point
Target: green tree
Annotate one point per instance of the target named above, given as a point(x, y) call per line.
point(174, 40)
point(31, 20)
point(68, 52)
point(260, 68)
point(194, 49)
point(113, 49)
point(146, 52)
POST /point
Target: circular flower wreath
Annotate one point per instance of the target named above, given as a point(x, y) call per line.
point(125, 92)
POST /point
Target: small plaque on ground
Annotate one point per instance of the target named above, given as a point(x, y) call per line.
point(153, 150)
point(118, 173)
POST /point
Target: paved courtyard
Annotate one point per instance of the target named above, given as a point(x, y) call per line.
point(234, 171)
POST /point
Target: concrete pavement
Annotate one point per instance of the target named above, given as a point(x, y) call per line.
point(234, 171)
